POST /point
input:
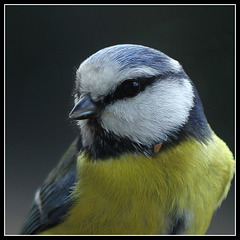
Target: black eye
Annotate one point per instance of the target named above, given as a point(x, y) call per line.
point(130, 88)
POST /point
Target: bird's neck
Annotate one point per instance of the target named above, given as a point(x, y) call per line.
point(104, 144)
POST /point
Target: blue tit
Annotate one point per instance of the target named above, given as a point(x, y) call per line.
point(146, 160)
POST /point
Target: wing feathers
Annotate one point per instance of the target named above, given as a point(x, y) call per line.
point(51, 201)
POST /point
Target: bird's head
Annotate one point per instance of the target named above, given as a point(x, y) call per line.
point(131, 95)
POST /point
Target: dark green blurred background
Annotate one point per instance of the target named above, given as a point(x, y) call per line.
point(44, 46)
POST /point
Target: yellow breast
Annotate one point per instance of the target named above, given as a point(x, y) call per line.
point(135, 194)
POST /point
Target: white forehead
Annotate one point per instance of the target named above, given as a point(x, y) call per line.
point(103, 71)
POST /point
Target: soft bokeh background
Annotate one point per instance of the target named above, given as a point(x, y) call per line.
point(44, 46)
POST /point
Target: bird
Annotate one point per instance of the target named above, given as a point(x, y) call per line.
point(145, 162)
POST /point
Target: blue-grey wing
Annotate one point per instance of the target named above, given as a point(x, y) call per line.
point(51, 201)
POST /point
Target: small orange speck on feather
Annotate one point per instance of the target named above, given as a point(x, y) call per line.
point(157, 147)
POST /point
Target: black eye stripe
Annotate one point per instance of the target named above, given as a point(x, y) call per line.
point(118, 94)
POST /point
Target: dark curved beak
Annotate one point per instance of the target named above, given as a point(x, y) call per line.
point(84, 109)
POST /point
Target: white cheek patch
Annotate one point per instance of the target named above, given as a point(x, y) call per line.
point(153, 115)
